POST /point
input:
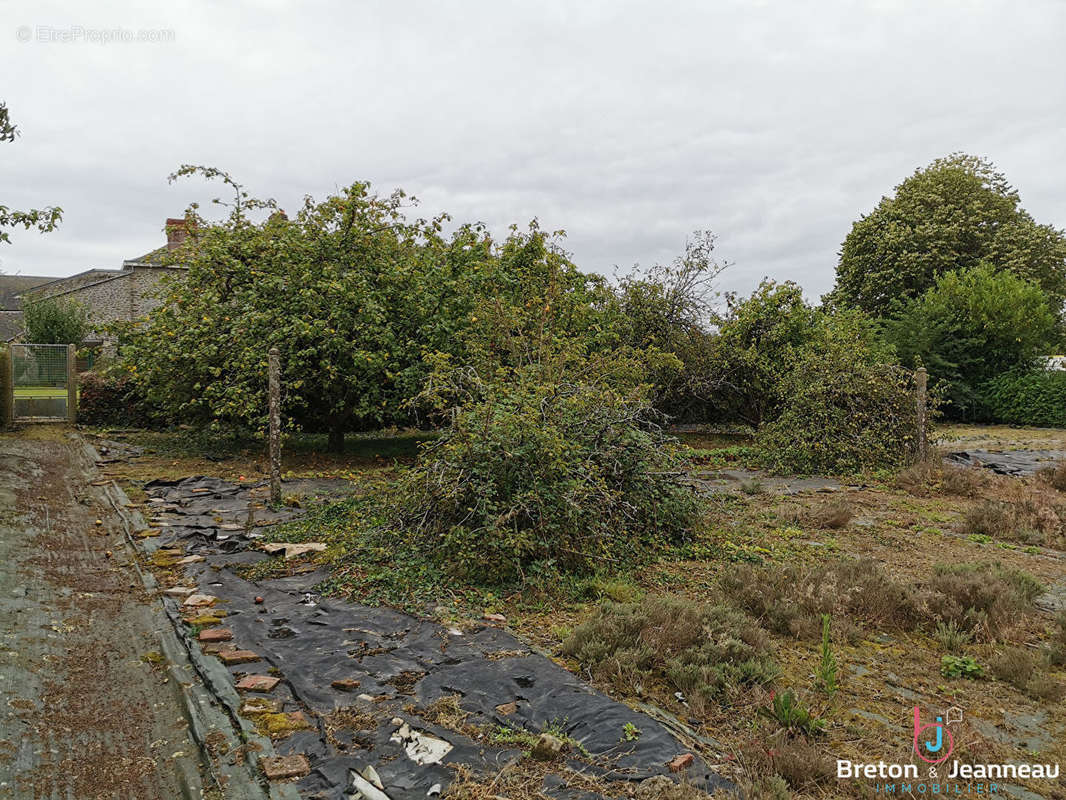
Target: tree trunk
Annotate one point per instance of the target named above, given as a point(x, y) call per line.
point(336, 439)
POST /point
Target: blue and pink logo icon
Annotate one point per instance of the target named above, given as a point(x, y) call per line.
point(938, 750)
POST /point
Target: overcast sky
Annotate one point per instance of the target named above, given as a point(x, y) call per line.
point(774, 124)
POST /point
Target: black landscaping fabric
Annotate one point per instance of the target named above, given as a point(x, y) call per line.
point(1008, 462)
point(310, 641)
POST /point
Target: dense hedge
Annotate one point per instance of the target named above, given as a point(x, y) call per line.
point(108, 400)
point(1027, 398)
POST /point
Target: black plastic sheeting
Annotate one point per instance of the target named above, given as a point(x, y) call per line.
point(1008, 462)
point(399, 660)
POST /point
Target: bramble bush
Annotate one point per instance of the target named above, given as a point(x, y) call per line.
point(543, 474)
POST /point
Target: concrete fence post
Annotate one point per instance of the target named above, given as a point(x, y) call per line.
point(275, 425)
point(72, 383)
point(921, 379)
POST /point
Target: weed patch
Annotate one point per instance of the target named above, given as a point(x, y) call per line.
point(704, 652)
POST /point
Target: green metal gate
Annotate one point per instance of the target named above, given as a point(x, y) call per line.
point(44, 382)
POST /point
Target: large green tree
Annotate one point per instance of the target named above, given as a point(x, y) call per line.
point(972, 325)
point(360, 300)
point(955, 214)
point(43, 219)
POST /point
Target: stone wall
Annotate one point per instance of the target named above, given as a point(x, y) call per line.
point(121, 296)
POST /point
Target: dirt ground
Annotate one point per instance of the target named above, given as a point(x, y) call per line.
point(85, 711)
point(909, 531)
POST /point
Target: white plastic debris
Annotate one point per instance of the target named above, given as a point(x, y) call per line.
point(434, 790)
point(421, 747)
point(362, 789)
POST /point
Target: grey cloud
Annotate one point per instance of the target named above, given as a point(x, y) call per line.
point(628, 124)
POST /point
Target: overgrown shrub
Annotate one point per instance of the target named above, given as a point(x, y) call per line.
point(1026, 397)
point(534, 475)
point(105, 399)
point(703, 651)
point(845, 407)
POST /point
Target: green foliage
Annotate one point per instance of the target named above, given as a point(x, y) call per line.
point(630, 732)
point(846, 407)
point(706, 652)
point(826, 672)
point(1026, 397)
point(952, 637)
point(971, 326)
point(669, 308)
point(559, 465)
point(960, 667)
point(953, 215)
point(43, 219)
point(113, 399)
point(787, 711)
point(54, 321)
point(758, 342)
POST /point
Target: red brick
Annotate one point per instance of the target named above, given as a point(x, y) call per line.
point(238, 656)
point(257, 683)
point(278, 768)
point(681, 762)
point(215, 635)
point(345, 685)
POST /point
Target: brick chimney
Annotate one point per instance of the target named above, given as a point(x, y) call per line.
point(176, 232)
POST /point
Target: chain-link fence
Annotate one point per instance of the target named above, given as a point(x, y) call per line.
point(41, 380)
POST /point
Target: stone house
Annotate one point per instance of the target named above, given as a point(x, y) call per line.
point(108, 295)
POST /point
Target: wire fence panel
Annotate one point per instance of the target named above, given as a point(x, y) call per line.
point(41, 380)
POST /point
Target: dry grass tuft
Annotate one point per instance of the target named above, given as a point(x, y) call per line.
point(791, 599)
point(935, 477)
point(827, 515)
point(1054, 476)
point(705, 652)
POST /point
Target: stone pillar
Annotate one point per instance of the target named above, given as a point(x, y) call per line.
point(7, 388)
point(72, 383)
point(921, 379)
point(275, 426)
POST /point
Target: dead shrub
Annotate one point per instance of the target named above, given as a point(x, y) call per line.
point(985, 599)
point(1027, 516)
point(990, 518)
point(795, 760)
point(703, 651)
point(1046, 688)
point(935, 477)
point(1056, 648)
point(792, 599)
point(1014, 666)
point(827, 515)
point(1054, 476)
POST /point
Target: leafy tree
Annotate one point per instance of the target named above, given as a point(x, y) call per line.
point(955, 214)
point(670, 308)
point(52, 320)
point(43, 219)
point(972, 325)
point(756, 346)
point(334, 289)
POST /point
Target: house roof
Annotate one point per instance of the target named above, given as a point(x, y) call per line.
point(10, 325)
point(11, 286)
point(153, 258)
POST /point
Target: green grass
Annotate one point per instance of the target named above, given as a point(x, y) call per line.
point(40, 391)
